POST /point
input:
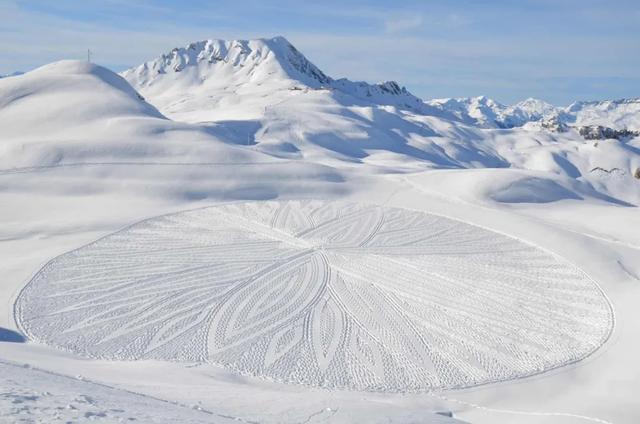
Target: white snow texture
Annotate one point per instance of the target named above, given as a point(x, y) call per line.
point(327, 294)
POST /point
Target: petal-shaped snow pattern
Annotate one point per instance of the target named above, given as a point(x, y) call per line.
point(329, 294)
point(282, 342)
point(327, 331)
point(274, 298)
point(290, 217)
point(353, 229)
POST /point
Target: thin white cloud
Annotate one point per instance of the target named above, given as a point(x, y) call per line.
point(403, 24)
point(456, 20)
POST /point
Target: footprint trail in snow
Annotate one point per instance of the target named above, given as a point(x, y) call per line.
point(328, 294)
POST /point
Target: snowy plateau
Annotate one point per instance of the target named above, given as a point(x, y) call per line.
point(228, 234)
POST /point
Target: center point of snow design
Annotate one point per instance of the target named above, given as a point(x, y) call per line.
point(339, 295)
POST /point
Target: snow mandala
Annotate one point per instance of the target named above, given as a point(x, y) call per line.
point(326, 294)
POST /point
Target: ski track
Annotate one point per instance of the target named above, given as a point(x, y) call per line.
point(522, 413)
point(42, 168)
point(336, 295)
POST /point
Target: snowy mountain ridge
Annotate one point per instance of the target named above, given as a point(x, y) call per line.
point(235, 53)
point(608, 104)
point(621, 114)
point(525, 111)
point(488, 113)
point(478, 111)
point(261, 61)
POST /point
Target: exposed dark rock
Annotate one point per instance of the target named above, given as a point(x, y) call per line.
point(554, 123)
point(598, 132)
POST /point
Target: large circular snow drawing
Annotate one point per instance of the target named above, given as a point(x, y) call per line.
point(328, 294)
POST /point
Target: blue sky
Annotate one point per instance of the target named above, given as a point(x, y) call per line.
point(560, 51)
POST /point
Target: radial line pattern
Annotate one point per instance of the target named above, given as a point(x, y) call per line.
point(336, 295)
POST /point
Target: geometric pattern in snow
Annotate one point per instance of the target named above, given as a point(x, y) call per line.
point(326, 294)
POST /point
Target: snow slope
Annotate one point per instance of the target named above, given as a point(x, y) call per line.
point(91, 114)
point(33, 395)
point(74, 117)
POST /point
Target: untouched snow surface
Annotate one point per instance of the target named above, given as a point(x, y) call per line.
point(31, 395)
point(83, 155)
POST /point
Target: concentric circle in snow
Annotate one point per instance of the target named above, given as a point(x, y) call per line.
point(327, 294)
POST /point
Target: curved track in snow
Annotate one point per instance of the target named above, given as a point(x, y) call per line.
point(329, 294)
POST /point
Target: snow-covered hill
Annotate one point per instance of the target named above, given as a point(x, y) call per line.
point(73, 111)
point(73, 114)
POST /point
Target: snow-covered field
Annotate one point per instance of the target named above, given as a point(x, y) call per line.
point(32, 395)
point(251, 240)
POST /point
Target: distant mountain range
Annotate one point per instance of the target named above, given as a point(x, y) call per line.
point(485, 112)
point(488, 113)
